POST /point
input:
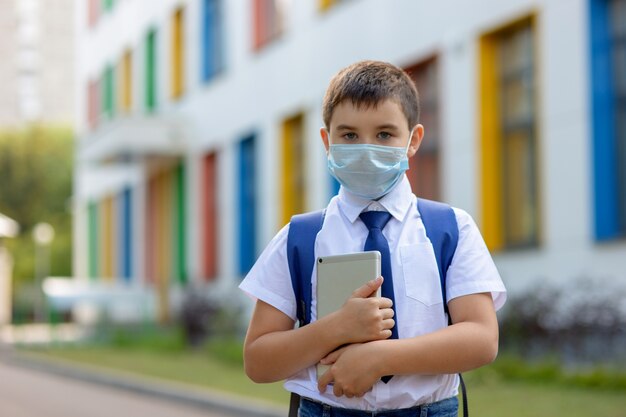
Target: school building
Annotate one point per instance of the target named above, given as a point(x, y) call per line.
point(198, 130)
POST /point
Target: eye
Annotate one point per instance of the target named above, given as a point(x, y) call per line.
point(350, 136)
point(384, 135)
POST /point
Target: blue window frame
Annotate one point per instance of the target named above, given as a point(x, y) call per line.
point(247, 205)
point(212, 53)
point(125, 248)
point(608, 91)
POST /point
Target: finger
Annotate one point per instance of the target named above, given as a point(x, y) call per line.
point(324, 380)
point(337, 390)
point(385, 334)
point(388, 323)
point(387, 313)
point(368, 288)
point(384, 302)
point(331, 357)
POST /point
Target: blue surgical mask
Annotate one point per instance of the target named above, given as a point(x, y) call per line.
point(368, 171)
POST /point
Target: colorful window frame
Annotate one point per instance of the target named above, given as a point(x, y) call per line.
point(151, 71)
point(424, 172)
point(293, 168)
point(178, 55)
point(210, 216)
point(212, 39)
point(608, 102)
point(247, 206)
point(108, 92)
point(267, 22)
point(126, 82)
point(508, 135)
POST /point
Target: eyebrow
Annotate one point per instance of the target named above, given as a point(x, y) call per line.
point(387, 126)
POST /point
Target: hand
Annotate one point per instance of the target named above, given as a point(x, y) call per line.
point(364, 318)
point(353, 370)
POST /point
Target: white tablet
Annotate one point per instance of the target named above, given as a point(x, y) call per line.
point(337, 278)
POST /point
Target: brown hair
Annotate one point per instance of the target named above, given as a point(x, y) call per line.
point(367, 83)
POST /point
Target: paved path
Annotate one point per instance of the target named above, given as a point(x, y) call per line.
point(31, 393)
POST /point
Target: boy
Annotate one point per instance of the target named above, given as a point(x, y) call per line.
point(371, 128)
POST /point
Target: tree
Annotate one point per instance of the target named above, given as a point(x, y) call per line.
point(36, 165)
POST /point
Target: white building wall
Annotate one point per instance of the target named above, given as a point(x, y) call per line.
point(257, 90)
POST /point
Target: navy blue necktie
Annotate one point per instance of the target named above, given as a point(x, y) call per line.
point(375, 222)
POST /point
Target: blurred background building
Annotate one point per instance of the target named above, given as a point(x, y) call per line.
point(37, 75)
point(198, 131)
point(36, 89)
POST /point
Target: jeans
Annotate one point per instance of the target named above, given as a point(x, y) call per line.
point(443, 408)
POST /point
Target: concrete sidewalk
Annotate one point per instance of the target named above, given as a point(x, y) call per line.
point(210, 400)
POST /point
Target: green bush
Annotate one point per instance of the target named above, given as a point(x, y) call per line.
point(548, 370)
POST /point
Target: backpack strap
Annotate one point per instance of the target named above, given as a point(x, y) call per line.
point(442, 230)
point(303, 230)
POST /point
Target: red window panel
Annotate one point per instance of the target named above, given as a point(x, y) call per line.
point(266, 22)
point(93, 12)
point(93, 100)
point(424, 167)
point(210, 216)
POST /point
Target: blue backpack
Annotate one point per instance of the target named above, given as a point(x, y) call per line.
point(441, 228)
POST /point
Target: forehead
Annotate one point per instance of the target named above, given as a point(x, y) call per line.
point(366, 116)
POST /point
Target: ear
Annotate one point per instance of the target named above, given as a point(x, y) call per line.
point(325, 138)
point(416, 140)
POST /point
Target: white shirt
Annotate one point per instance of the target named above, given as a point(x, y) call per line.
point(417, 288)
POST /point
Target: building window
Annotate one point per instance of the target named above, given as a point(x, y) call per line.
point(292, 176)
point(108, 95)
point(93, 12)
point(107, 5)
point(424, 167)
point(178, 52)
point(247, 205)
point(108, 263)
point(93, 240)
point(150, 68)
point(212, 39)
point(210, 215)
point(125, 254)
point(267, 22)
point(608, 72)
point(166, 227)
point(618, 34)
point(324, 5)
point(510, 206)
point(126, 82)
point(93, 103)
point(180, 227)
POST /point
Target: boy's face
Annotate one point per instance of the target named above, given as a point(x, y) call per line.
point(384, 125)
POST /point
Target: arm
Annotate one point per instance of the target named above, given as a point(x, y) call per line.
point(274, 350)
point(471, 342)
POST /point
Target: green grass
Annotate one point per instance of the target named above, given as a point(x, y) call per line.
point(510, 387)
point(522, 399)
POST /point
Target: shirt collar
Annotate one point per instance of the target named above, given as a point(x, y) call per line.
point(396, 202)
